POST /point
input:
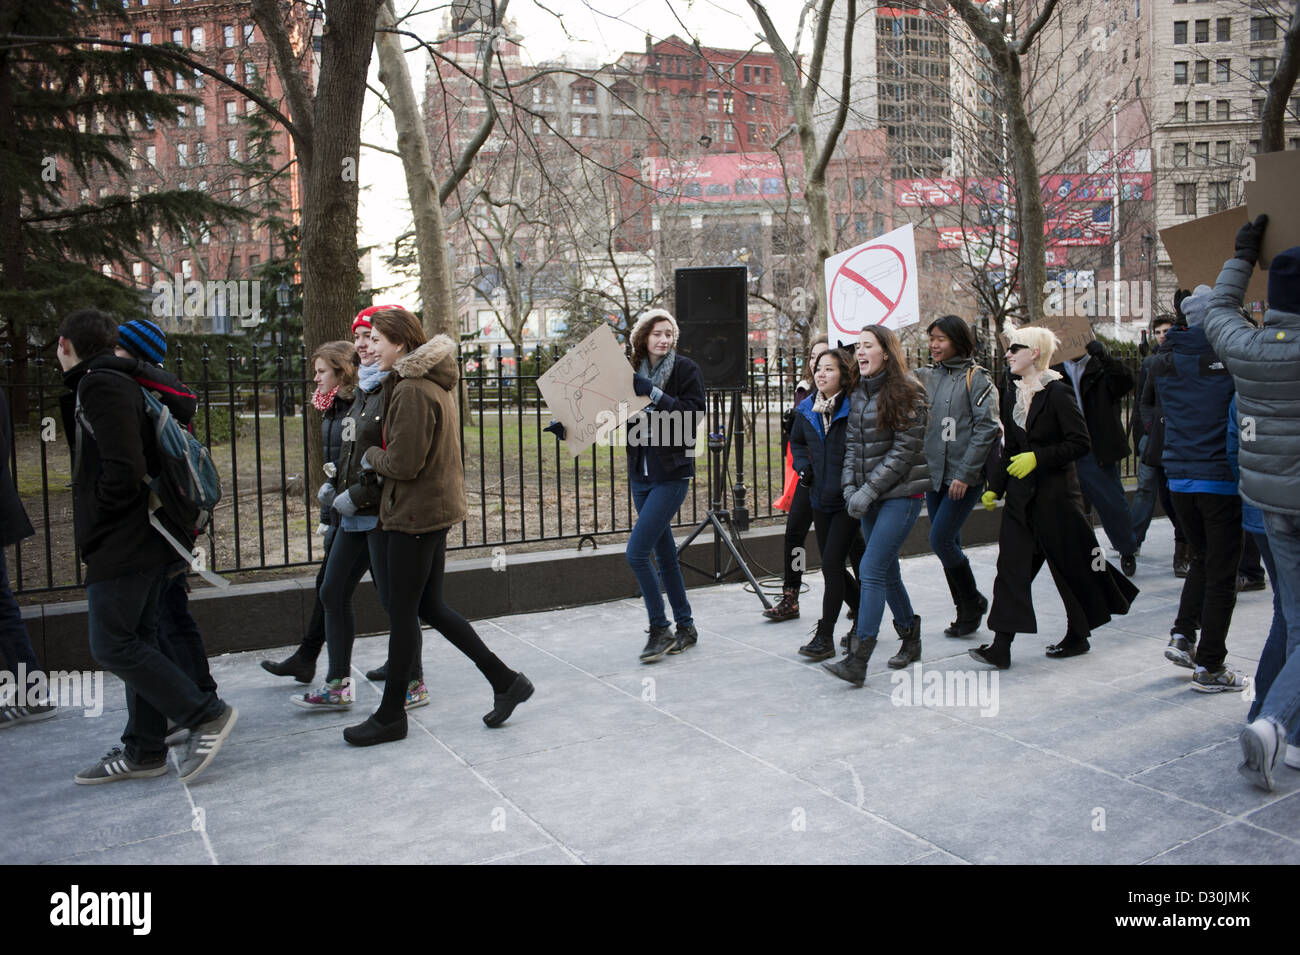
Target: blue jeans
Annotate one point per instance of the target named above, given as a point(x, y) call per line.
point(15, 643)
point(122, 615)
point(947, 517)
point(1273, 656)
point(1282, 702)
point(1102, 487)
point(656, 503)
point(885, 527)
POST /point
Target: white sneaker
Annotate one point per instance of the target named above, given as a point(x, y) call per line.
point(1261, 742)
point(1292, 757)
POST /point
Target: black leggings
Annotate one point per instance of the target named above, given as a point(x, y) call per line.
point(798, 519)
point(408, 569)
point(837, 534)
point(346, 563)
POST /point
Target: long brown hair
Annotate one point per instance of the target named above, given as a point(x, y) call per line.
point(343, 358)
point(400, 327)
point(641, 334)
point(848, 369)
point(901, 395)
point(810, 363)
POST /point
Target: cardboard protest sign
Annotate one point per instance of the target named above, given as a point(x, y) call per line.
point(1199, 248)
point(1273, 193)
point(872, 284)
point(589, 390)
point(1074, 331)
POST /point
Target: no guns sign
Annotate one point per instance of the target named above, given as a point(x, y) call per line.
point(872, 284)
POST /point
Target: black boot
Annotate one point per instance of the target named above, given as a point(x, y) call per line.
point(295, 665)
point(853, 667)
point(378, 674)
point(787, 608)
point(822, 645)
point(997, 654)
point(971, 604)
point(910, 651)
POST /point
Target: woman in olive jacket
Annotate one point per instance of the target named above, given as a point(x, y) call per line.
point(1043, 518)
point(422, 495)
point(884, 482)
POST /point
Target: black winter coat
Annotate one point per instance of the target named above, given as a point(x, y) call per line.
point(331, 436)
point(1105, 381)
point(822, 453)
point(14, 525)
point(683, 397)
point(114, 454)
point(367, 414)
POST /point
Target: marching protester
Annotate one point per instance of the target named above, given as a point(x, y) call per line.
point(1263, 363)
point(127, 562)
point(1099, 382)
point(817, 439)
point(883, 482)
point(1043, 518)
point(15, 643)
point(964, 428)
point(794, 500)
point(1194, 390)
point(141, 348)
point(422, 493)
point(1152, 480)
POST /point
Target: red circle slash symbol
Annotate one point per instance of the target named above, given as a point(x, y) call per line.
point(870, 281)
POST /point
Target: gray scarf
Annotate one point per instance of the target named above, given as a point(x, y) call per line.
point(660, 373)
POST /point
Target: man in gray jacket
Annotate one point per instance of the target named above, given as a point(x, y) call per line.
point(1265, 363)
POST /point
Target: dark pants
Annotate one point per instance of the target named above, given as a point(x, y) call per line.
point(1152, 483)
point(1102, 488)
point(315, 637)
point(178, 634)
point(837, 533)
point(344, 566)
point(798, 521)
point(1249, 566)
point(1212, 523)
point(15, 643)
point(122, 618)
point(409, 568)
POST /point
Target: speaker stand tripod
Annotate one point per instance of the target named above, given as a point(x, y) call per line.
point(725, 523)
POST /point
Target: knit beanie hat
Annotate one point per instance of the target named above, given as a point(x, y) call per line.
point(143, 339)
point(363, 317)
point(1284, 281)
point(647, 321)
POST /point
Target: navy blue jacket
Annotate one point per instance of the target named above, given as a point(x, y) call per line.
point(1194, 389)
point(812, 447)
point(666, 448)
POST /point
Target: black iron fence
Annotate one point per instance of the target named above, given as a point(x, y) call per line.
point(522, 485)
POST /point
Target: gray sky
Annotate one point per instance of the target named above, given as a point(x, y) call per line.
point(597, 31)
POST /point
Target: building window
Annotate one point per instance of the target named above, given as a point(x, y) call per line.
point(1262, 68)
point(1222, 151)
point(201, 153)
point(231, 113)
point(1202, 71)
point(575, 125)
point(751, 132)
point(248, 34)
point(728, 133)
point(1180, 73)
point(584, 96)
point(250, 74)
point(148, 81)
point(1180, 31)
point(232, 149)
point(1223, 29)
point(182, 116)
point(1263, 28)
point(151, 155)
point(146, 37)
point(229, 70)
point(1201, 154)
point(1223, 110)
point(1257, 105)
point(1185, 198)
point(182, 154)
point(1180, 112)
point(1222, 71)
point(180, 81)
point(196, 38)
point(1220, 196)
point(859, 187)
point(178, 37)
point(228, 37)
point(1202, 31)
point(728, 102)
point(1180, 154)
point(745, 73)
point(1203, 111)
point(860, 225)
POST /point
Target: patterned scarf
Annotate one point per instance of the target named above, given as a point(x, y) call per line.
point(323, 402)
point(826, 408)
point(1025, 394)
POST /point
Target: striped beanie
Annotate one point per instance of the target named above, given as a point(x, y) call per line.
point(143, 339)
point(363, 317)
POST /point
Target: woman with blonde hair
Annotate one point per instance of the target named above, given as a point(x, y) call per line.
point(1043, 518)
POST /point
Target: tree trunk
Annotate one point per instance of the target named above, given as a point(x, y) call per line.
point(1032, 257)
point(1271, 137)
point(436, 299)
point(11, 245)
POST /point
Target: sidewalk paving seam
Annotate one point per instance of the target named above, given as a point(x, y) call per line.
point(493, 787)
point(1224, 825)
point(203, 831)
point(508, 855)
point(758, 759)
point(102, 849)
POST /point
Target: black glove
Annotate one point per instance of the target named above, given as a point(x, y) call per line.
point(806, 477)
point(1249, 238)
point(557, 429)
point(642, 385)
point(1096, 349)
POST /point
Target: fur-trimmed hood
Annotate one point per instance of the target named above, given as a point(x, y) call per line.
point(435, 360)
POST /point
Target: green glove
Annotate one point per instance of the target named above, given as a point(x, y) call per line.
point(989, 499)
point(1021, 464)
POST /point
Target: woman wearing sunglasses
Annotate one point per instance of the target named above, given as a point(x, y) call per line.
point(1043, 517)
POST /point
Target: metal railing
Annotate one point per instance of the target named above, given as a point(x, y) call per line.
point(522, 486)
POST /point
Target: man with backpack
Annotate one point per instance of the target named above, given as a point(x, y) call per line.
point(127, 561)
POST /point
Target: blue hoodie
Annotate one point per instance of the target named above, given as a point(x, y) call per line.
point(1194, 390)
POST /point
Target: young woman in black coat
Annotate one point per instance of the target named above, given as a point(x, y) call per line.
point(817, 439)
point(1043, 518)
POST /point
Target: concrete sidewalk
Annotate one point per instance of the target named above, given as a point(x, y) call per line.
point(737, 751)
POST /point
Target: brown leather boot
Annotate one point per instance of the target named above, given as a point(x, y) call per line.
point(787, 608)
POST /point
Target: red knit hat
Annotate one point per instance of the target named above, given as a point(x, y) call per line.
point(363, 316)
